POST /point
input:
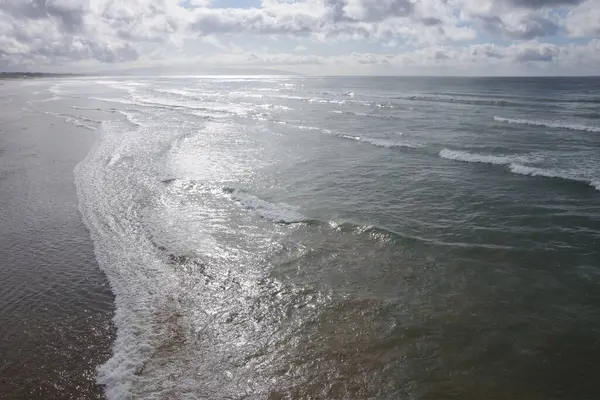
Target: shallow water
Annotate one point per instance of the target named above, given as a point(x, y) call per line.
point(55, 303)
point(293, 237)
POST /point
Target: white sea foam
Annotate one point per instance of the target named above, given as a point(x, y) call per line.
point(232, 109)
point(515, 165)
point(461, 100)
point(554, 173)
point(180, 92)
point(357, 138)
point(53, 98)
point(274, 107)
point(464, 156)
point(386, 143)
point(549, 124)
point(304, 127)
point(362, 114)
point(131, 117)
point(276, 212)
point(117, 101)
point(77, 120)
point(137, 278)
point(292, 97)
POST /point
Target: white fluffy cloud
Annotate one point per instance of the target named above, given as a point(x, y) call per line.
point(462, 33)
point(585, 19)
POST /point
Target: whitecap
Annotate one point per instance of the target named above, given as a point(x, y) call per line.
point(554, 173)
point(464, 156)
point(549, 124)
point(388, 143)
point(276, 212)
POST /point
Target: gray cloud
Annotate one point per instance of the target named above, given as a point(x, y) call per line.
point(368, 11)
point(536, 4)
point(69, 14)
point(440, 55)
point(529, 27)
point(542, 54)
point(431, 21)
point(489, 51)
point(215, 21)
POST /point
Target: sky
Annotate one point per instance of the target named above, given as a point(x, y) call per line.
point(317, 37)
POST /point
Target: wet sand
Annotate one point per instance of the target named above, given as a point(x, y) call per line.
point(55, 304)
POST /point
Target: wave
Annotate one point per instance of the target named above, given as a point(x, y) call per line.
point(154, 102)
point(513, 162)
point(386, 143)
point(286, 214)
point(459, 100)
point(386, 235)
point(549, 124)
point(362, 114)
point(303, 127)
point(78, 117)
point(464, 156)
point(292, 97)
point(203, 95)
point(224, 110)
point(274, 107)
point(281, 213)
point(53, 98)
point(554, 173)
point(179, 92)
point(81, 124)
point(77, 120)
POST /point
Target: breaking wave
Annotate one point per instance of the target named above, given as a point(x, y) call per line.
point(549, 124)
point(514, 164)
point(77, 120)
point(464, 156)
point(386, 143)
point(281, 213)
point(554, 173)
point(459, 100)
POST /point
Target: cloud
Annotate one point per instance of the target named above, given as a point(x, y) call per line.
point(584, 20)
point(543, 53)
point(536, 4)
point(369, 11)
point(300, 49)
point(528, 27)
point(424, 32)
point(525, 57)
point(67, 14)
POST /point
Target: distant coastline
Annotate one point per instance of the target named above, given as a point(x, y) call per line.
point(32, 75)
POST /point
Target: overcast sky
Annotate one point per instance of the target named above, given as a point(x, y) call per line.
point(399, 37)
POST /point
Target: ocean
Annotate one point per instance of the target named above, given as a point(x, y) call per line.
point(340, 237)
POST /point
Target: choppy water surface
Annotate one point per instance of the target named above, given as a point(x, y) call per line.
point(292, 237)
